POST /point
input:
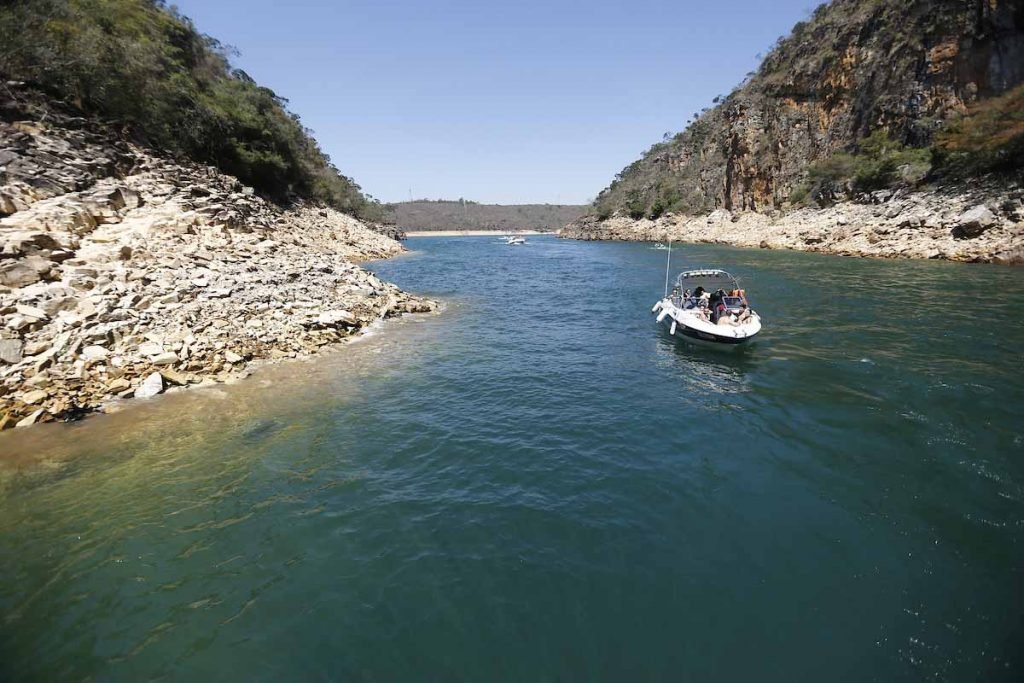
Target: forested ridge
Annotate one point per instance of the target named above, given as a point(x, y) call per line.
point(144, 66)
point(426, 214)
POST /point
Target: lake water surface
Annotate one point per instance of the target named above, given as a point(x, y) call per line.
point(539, 484)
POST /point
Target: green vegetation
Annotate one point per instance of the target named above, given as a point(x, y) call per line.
point(990, 138)
point(424, 214)
point(878, 163)
point(851, 77)
point(143, 65)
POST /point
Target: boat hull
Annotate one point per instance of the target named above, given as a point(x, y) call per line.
point(683, 325)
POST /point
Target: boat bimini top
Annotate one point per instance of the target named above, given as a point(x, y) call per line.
point(709, 279)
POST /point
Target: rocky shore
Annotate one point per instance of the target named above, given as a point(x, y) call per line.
point(984, 223)
point(125, 274)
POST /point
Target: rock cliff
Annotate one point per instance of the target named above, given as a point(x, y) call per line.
point(124, 273)
point(905, 67)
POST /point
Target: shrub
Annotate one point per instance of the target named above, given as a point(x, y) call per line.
point(879, 163)
point(142, 64)
point(800, 195)
point(636, 205)
point(990, 137)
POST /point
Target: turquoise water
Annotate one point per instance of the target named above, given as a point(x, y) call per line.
point(539, 484)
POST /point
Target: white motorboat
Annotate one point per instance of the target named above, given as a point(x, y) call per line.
point(659, 246)
point(514, 240)
point(708, 306)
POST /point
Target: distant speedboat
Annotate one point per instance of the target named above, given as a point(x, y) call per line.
point(660, 246)
point(708, 306)
point(514, 240)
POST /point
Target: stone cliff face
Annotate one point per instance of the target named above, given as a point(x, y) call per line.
point(905, 66)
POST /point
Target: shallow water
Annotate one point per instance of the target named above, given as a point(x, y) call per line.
point(539, 484)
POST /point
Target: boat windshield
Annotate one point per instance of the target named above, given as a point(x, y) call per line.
point(733, 303)
point(710, 280)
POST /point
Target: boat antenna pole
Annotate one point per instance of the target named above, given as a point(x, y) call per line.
point(668, 264)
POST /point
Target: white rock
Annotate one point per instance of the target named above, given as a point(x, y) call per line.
point(328, 318)
point(232, 357)
point(94, 353)
point(976, 220)
point(11, 350)
point(15, 274)
point(151, 386)
point(19, 322)
point(34, 396)
point(31, 312)
point(86, 308)
point(150, 348)
point(168, 358)
point(31, 419)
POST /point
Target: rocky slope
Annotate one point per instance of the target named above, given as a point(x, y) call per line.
point(982, 224)
point(904, 67)
point(124, 274)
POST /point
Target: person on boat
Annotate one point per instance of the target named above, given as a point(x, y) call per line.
point(699, 292)
point(744, 314)
point(725, 317)
point(720, 313)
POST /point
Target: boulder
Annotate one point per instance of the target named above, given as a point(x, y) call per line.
point(166, 358)
point(11, 350)
point(31, 419)
point(150, 348)
point(232, 357)
point(333, 318)
point(31, 312)
point(117, 385)
point(151, 386)
point(34, 396)
point(61, 303)
point(94, 353)
point(974, 221)
point(17, 274)
point(174, 377)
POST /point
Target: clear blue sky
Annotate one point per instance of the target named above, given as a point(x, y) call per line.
point(504, 102)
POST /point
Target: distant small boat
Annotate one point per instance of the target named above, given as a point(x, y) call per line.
point(660, 246)
point(514, 240)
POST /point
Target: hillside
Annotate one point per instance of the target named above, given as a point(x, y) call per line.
point(124, 272)
point(425, 214)
point(142, 65)
point(866, 95)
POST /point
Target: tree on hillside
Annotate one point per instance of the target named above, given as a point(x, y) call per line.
point(142, 64)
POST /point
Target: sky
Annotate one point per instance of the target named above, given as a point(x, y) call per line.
point(531, 101)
